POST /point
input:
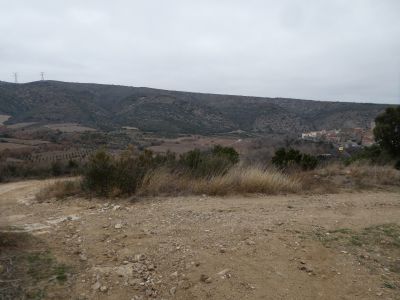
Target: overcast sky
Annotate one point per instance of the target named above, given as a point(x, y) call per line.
point(345, 50)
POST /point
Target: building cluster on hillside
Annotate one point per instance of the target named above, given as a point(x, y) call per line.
point(342, 138)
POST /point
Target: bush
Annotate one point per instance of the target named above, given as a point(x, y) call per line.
point(227, 152)
point(209, 163)
point(373, 154)
point(397, 165)
point(387, 131)
point(56, 168)
point(308, 162)
point(287, 158)
point(130, 170)
point(104, 174)
point(99, 173)
point(59, 190)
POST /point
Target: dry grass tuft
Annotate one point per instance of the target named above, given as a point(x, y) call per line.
point(162, 182)
point(367, 175)
point(334, 177)
point(238, 180)
point(59, 190)
point(251, 180)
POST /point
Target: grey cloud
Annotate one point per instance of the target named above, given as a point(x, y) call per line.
point(329, 50)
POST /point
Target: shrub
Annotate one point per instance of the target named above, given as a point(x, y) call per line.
point(397, 165)
point(286, 158)
point(308, 162)
point(387, 130)
point(56, 168)
point(59, 190)
point(104, 174)
point(209, 163)
point(99, 173)
point(130, 170)
point(227, 152)
point(373, 154)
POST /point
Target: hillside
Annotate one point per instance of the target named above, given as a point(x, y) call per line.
point(112, 106)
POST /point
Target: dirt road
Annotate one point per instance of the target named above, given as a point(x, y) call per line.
point(340, 246)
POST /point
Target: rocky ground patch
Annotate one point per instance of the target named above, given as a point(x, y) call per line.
point(342, 246)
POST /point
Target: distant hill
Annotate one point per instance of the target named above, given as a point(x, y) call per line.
point(113, 106)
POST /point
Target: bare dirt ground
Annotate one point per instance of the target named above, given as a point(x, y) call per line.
point(339, 246)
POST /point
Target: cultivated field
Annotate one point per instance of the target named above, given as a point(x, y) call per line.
point(339, 246)
point(184, 144)
point(69, 127)
point(3, 118)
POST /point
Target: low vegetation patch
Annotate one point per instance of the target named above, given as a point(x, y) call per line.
point(377, 247)
point(286, 158)
point(359, 175)
point(238, 180)
point(60, 190)
point(216, 172)
point(106, 175)
point(27, 269)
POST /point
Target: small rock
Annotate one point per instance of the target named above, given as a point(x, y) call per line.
point(205, 278)
point(250, 242)
point(172, 290)
point(96, 286)
point(306, 269)
point(222, 250)
point(139, 257)
point(136, 283)
point(103, 289)
point(82, 257)
point(174, 275)
point(224, 273)
point(150, 292)
point(185, 284)
point(116, 207)
point(118, 226)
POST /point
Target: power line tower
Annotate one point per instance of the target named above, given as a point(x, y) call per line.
point(15, 77)
point(42, 75)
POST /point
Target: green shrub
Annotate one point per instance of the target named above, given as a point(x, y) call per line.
point(56, 168)
point(287, 158)
point(104, 174)
point(308, 162)
point(130, 170)
point(99, 173)
point(373, 154)
point(209, 163)
point(226, 152)
point(397, 165)
point(387, 131)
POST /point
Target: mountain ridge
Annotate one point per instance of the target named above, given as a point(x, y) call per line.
point(111, 106)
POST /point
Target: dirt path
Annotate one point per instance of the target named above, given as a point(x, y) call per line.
point(259, 247)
